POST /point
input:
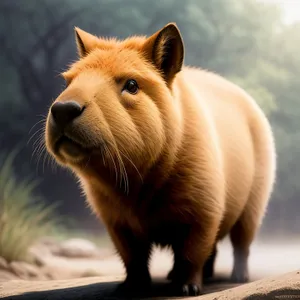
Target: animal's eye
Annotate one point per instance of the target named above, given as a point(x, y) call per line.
point(131, 86)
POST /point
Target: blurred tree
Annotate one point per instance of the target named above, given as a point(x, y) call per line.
point(245, 41)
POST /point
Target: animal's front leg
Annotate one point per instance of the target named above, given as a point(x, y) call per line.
point(134, 251)
point(191, 250)
point(208, 269)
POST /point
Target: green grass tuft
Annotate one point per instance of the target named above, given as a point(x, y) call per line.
point(24, 217)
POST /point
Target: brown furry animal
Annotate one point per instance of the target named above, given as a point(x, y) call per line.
point(166, 154)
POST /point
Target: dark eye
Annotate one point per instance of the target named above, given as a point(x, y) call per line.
point(131, 86)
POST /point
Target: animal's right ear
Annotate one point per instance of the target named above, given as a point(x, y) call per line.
point(85, 41)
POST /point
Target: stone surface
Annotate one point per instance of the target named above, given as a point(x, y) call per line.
point(24, 269)
point(52, 260)
point(6, 275)
point(40, 253)
point(3, 263)
point(77, 248)
point(286, 286)
point(265, 260)
point(51, 243)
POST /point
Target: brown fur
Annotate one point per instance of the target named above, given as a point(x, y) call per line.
point(187, 160)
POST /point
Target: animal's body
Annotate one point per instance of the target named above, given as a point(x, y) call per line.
point(166, 154)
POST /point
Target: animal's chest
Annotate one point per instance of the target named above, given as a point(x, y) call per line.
point(157, 222)
point(150, 215)
point(168, 233)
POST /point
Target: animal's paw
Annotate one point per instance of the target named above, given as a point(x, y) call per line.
point(240, 275)
point(190, 289)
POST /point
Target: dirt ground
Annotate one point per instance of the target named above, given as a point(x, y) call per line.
point(277, 265)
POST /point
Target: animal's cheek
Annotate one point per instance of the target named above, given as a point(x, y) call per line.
point(148, 122)
point(129, 101)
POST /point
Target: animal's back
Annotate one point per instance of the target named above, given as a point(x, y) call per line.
point(246, 141)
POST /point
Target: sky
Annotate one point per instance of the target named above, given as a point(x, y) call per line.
point(291, 9)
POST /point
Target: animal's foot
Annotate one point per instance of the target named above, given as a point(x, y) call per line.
point(187, 288)
point(240, 275)
point(191, 289)
point(185, 282)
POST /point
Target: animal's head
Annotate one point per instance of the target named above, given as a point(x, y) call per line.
point(117, 108)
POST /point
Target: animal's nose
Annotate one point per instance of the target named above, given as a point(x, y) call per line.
point(65, 112)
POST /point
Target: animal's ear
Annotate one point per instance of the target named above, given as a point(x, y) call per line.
point(165, 49)
point(85, 41)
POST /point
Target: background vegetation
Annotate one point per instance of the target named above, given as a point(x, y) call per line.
point(24, 216)
point(245, 41)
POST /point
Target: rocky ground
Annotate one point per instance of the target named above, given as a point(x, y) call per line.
point(73, 258)
point(64, 264)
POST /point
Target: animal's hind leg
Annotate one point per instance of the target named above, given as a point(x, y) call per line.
point(241, 237)
point(244, 231)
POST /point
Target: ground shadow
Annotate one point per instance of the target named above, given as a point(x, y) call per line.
point(282, 294)
point(161, 289)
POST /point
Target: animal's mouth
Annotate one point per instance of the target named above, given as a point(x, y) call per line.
point(67, 146)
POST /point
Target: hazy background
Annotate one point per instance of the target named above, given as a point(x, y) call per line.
point(253, 43)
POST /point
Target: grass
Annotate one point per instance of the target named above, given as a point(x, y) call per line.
point(24, 217)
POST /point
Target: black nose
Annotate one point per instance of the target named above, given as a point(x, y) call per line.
point(65, 112)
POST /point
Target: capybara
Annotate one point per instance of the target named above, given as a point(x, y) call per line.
point(166, 154)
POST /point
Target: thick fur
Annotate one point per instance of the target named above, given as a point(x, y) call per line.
point(183, 162)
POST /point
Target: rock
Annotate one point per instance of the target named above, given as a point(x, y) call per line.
point(90, 273)
point(6, 275)
point(17, 269)
point(48, 241)
point(78, 248)
point(3, 263)
point(40, 253)
point(51, 243)
point(32, 270)
point(24, 270)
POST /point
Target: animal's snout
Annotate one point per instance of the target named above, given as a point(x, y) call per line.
point(64, 113)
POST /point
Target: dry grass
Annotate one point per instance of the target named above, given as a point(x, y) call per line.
point(24, 217)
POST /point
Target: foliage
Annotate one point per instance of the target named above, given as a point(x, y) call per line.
point(24, 217)
point(245, 41)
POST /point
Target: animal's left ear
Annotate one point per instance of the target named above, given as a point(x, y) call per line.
point(85, 41)
point(165, 49)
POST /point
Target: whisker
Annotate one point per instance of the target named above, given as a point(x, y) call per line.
point(36, 150)
point(45, 158)
point(126, 180)
point(115, 167)
point(39, 148)
point(122, 168)
point(134, 166)
point(39, 130)
point(37, 144)
point(87, 162)
point(53, 164)
point(40, 155)
point(38, 122)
